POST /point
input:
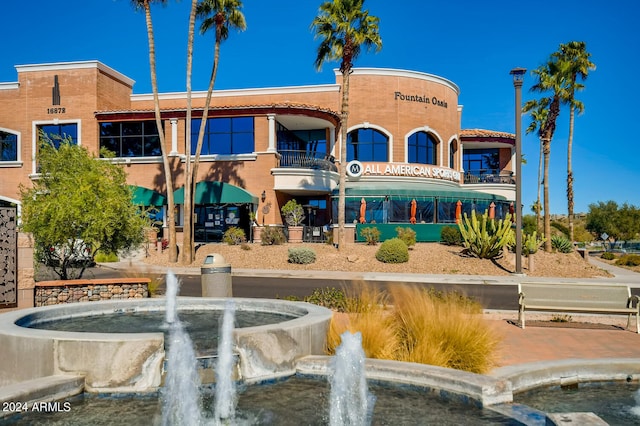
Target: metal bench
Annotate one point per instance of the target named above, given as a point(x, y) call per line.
point(578, 298)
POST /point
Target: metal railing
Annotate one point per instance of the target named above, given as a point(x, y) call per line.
point(492, 176)
point(306, 160)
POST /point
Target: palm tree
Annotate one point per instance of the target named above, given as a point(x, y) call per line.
point(574, 60)
point(221, 15)
point(344, 28)
point(146, 6)
point(538, 112)
point(549, 78)
point(187, 234)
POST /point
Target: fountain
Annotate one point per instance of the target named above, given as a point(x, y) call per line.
point(225, 397)
point(283, 379)
point(350, 401)
point(180, 395)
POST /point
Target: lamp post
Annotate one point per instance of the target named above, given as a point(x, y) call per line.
point(518, 78)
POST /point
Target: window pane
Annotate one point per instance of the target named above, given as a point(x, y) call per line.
point(112, 144)
point(131, 128)
point(131, 147)
point(219, 125)
point(243, 143)
point(8, 147)
point(152, 146)
point(243, 124)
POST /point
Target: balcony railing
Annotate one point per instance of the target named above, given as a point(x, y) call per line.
point(306, 160)
point(490, 176)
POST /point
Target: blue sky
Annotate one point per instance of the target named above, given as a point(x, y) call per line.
point(474, 44)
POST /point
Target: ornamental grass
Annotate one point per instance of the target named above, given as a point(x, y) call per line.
point(413, 324)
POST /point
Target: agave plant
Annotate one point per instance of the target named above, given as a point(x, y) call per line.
point(485, 237)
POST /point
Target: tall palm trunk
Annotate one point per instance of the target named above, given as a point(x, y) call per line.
point(344, 115)
point(540, 160)
point(570, 203)
point(207, 103)
point(187, 235)
point(547, 136)
point(173, 248)
point(547, 218)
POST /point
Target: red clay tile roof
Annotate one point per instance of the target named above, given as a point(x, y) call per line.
point(482, 134)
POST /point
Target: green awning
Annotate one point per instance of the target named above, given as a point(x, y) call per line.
point(413, 190)
point(147, 197)
point(217, 193)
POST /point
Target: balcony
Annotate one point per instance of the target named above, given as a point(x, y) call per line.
point(490, 176)
point(306, 160)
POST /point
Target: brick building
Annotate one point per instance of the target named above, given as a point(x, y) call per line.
point(408, 161)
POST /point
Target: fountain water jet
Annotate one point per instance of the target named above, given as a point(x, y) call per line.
point(636, 410)
point(181, 393)
point(350, 400)
point(225, 396)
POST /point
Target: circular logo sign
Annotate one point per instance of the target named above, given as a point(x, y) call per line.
point(354, 169)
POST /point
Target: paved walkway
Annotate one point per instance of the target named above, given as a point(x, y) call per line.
point(586, 337)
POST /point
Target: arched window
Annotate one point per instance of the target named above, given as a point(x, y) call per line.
point(422, 147)
point(8, 146)
point(453, 152)
point(367, 145)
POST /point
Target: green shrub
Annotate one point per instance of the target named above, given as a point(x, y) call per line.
point(272, 236)
point(407, 235)
point(234, 236)
point(451, 236)
point(102, 257)
point(560, 227)
point(301, 255)
point(485, 238)
point(371, 235)
point(393, 250)
point(561, 244)
point(629, 260)
point(330, 298)
point(607, 255)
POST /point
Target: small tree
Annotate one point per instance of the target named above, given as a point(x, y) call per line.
point(78, 205)
point(293, 213)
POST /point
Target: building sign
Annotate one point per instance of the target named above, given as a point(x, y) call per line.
point(423, 99)
point(355, 169)
point(55, 98)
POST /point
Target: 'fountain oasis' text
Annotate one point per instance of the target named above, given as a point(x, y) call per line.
point(399, 96)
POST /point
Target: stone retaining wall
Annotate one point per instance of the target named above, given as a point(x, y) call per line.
point(73, 291)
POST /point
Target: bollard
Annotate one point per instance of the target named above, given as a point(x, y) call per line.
point(215, 276)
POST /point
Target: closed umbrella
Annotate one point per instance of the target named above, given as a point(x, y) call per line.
point(414, 208)
point(512, 212)
point(363, 210)
point(458, 211)
point(492, 210)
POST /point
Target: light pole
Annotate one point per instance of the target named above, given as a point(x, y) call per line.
point(518, 77)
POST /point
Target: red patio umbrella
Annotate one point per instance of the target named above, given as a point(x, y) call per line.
point(414, 208)
point(492, 210)
point(512, 212)
point(363, 210)
point(458, 211)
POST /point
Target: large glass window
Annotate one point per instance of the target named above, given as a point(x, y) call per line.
point(312, 141)
point(481, 162)
point(367, 145)
point(8, 146)
point(56, 133)
point(421, 148)
point(224, 136)
point(131, 138)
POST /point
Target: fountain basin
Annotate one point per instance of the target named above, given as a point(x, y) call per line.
point(132, 362)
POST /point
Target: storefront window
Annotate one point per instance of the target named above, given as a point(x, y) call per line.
point(224, 136)
point(8, 146)
point(131, 138)
point(421, 148)
point(367, 145)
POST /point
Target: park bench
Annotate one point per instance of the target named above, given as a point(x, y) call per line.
point(578, 298)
